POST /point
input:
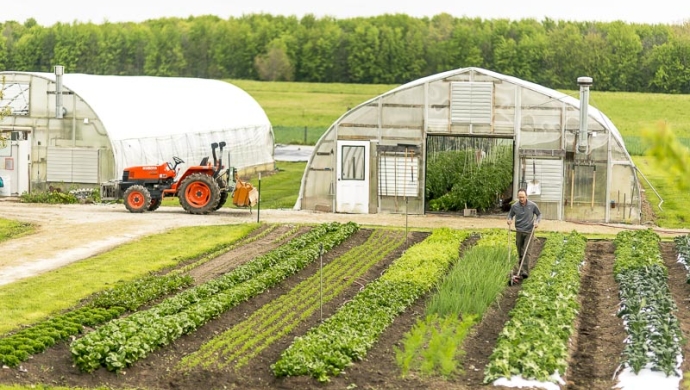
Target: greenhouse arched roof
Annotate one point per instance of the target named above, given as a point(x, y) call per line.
point(146, 106)
point(555, 95)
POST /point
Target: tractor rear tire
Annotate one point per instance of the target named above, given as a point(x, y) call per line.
point(222, 200)
point(199, 194)
point(137, 199)
point(155, 204)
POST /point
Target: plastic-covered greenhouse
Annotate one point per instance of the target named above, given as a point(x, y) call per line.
point(376, 157)
point(80, 129)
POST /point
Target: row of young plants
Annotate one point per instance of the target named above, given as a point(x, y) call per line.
point(103, 307)
point(534, 342)
point(683, 248)
point(122, 342)
point(434, 344)
point(347, 335)
point(647, 307)
point(239, 344)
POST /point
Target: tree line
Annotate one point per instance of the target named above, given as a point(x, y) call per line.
point(386, 49)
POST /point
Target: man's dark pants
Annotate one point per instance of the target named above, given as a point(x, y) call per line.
point(521, 239)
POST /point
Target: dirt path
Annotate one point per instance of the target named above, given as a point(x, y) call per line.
point(233, 258)
point(680, 291)
point(600, 333)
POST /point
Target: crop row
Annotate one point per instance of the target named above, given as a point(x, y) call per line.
point(347, 335)
point(534, 343)
point(105, 306)
point(434, 344)
point(278, 318)
point(646, 304)
point(120, 343)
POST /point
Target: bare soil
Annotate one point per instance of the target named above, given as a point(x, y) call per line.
point(70, 233)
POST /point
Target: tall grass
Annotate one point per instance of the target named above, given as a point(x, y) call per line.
point(311, 105)
point(280, 190)
point(674, 211)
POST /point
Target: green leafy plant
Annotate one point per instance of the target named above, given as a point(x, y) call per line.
point(535, 342)
point(272, 321)
point(347, 335)
point(122, 342)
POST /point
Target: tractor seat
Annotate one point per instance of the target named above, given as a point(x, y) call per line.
point(204, 161)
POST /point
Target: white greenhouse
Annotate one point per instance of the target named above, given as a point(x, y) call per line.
point(82, 130)
point(374, 158)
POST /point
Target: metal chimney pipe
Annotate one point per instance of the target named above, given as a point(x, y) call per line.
point(584, 83)
point(59, 71)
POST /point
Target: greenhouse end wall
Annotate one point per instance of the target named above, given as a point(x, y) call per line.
point(598, 184)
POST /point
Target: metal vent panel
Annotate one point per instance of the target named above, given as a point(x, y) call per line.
point(472, 102)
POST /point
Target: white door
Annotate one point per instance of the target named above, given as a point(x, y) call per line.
point(352, 189)
point(14, 167)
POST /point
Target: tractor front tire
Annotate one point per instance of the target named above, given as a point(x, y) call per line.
point(155, 204)
point(137, 199)
point(199, 194)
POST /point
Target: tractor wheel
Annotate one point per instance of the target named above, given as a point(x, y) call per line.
point(222, 200)
point(223, 192)
point(137, 199)
point(155, 204)
point(199, 194)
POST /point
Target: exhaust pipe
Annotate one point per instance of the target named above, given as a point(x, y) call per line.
point(221, 145)
point(214, 146)
point(583, 142)
point(59, 71)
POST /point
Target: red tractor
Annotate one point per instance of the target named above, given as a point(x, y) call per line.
point(201, 188)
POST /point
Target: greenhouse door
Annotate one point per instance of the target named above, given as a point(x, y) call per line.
point(352, 190)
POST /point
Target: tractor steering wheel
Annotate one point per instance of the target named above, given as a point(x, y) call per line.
point(177, 161)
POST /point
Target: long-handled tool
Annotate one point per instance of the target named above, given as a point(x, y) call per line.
point(515, 278)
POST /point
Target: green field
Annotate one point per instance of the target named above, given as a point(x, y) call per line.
point(293, 107)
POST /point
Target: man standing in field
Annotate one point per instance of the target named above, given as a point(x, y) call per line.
point(527, 217)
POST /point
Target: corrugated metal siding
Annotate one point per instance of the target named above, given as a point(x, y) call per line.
point(550, 174)
point(398, 175)
point(73, 165)
point(471, 102)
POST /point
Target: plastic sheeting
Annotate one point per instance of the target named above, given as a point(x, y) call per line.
point(150, 119)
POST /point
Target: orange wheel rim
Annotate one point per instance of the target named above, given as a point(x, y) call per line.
point(136, 199)
point(198, 194)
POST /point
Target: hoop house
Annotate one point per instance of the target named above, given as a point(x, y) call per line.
point(374, 158)
point(81, 129)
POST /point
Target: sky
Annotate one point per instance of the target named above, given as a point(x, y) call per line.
point(49, 12)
